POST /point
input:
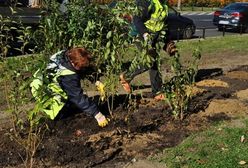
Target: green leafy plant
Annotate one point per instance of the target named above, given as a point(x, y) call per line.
point(27, 125)
point(25, 37)
point(16, 74)
point(179, 88)
point(5, 36)
point(100, 29)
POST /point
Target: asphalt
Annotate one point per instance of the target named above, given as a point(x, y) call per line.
point(197, 13)
point(20, 11)
point(25, 14)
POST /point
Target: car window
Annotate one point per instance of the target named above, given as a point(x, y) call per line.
point(172, 11)
point(236, 6)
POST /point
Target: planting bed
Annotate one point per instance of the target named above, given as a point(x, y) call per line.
point(77, 141)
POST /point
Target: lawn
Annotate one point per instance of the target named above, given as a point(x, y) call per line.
point(222, 145)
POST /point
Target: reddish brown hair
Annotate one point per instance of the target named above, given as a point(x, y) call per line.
point(79, 57)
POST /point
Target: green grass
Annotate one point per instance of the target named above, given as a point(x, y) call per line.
point(234, 43)
point(217, 147)
point(215, 47)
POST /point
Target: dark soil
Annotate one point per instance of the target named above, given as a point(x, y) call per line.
point(77, 141)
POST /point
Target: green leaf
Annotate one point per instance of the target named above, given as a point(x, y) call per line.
point(109, 34)
point(106, 54)
point(13, 28)
point(108, 44)
point(12, 10)
point(112, 58)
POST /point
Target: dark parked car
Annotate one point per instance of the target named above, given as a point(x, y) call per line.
point(180, 25)
point(234, 15)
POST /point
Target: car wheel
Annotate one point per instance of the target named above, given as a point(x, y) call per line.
point(188, 32)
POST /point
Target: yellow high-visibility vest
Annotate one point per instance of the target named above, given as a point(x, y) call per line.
point(53, 103)
point(156, 22)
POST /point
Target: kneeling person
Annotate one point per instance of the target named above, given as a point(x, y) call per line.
point(64, 72)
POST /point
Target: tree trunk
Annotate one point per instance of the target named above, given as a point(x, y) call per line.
point(179, 4)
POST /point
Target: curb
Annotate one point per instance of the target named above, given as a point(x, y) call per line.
point(197, 13)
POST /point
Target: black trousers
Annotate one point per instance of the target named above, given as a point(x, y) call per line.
point(154, 73)
point(68, 110)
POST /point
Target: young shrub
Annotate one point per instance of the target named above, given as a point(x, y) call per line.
point(27, 125)
point(99, 28)
point(178, 88)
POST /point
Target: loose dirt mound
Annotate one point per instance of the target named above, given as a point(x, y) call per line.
point(238, 75)
point(133, 135)
point(242, 94)
point(212, 83)
point(228, 107)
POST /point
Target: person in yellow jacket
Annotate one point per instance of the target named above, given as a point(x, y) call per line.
point(64, 72)
point(148, 26)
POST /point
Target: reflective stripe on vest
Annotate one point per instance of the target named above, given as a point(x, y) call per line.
point(54, 103)
point(156, 22)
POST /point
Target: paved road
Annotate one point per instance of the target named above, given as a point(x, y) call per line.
point(25, 14)
point(204, 20)
point(201, 19)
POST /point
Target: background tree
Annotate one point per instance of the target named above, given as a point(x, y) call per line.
point(179, 2)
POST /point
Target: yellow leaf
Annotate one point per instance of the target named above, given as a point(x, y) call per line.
point(242, 162)
point(242, 138)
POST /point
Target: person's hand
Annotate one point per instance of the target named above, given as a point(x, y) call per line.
point(170, 48)
point(146, 36)
point(100, 87)
point(101, 119)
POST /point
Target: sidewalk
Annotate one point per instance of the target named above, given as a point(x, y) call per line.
point(197, 13)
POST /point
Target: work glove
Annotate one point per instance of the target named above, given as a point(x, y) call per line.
point(147, 39)
point(101, 119)
point(170, 48)
point(146, 36)
point(100, 87)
